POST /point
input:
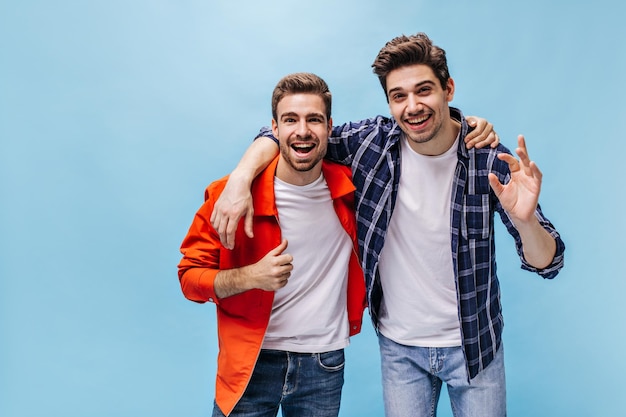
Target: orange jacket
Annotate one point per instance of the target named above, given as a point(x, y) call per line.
point(242, 319)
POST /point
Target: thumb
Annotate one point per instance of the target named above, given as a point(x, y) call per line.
point(495, 184)
point(280, 248)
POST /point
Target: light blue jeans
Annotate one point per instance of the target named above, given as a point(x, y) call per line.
point(413, 376)
point(300, 384)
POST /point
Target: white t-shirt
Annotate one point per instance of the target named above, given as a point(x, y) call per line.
point(310, 313)
point(419, 306)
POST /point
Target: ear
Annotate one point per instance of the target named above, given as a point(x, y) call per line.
point(275, 128)
point(330, 125)
point(450, 90)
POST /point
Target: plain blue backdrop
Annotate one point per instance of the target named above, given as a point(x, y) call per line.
point(114, 116)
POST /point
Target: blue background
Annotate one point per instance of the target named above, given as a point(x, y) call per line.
point(114, 116)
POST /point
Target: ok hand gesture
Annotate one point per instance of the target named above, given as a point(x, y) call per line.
point(520, 196)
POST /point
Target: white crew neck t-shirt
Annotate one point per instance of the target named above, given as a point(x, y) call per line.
point(419, 306)
point(310, 313)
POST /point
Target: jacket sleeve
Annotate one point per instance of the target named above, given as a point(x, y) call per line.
point(201, 255)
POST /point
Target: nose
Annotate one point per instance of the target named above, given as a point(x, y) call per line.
point(413, 103)
point(303, 129)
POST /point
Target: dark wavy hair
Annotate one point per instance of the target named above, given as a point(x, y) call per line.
point(410, 50)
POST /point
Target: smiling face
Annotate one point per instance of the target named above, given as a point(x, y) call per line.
point(302, 129)
point(420, 106)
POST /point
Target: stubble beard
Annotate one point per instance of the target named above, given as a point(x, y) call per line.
point(424, 137)
point(301, 165)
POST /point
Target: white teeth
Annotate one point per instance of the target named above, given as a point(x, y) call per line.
point(303, 148)
point(418, 119)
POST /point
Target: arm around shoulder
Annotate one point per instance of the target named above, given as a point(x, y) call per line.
point(235, 201)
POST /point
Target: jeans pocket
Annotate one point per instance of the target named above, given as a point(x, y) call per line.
point(331, 361)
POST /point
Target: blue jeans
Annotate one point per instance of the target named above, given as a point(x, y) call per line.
point(413, 376)
point(301, 384)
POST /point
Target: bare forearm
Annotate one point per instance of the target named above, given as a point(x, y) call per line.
point(236, 201)
point(269, 274)
point(538, 245)
point(231, 282)
point(258, 155)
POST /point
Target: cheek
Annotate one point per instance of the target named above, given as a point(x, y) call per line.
point(396, 111)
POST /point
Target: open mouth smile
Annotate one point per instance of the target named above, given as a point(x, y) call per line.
point(303, 148)
point(417, 121)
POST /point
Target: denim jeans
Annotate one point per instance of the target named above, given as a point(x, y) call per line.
point(413, 376)
point(301, 384)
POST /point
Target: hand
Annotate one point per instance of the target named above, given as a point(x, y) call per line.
point(273, 270)
point(482, 135)
point(234, 202)
point(520, 196)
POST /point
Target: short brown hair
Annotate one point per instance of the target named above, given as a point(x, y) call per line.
point(301, 82)
point(410, 50)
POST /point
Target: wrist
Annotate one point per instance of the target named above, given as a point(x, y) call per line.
point(242, 176)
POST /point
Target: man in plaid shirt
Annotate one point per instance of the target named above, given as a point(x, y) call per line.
point(425, 210)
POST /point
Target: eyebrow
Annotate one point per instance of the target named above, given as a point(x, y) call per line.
point(292, 114)
point(421, 83)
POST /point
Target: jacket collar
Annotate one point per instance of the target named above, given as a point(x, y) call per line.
point(337, 178)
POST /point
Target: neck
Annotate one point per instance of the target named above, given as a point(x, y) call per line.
point(288, 174)
point(441, 143)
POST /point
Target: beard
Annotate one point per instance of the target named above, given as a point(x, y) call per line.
point(302, 164)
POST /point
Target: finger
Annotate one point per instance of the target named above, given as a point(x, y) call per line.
point(491, 138)
point(215, 219)
point(522, 152)
point(248, 223)
point(229, 232)
point(284, 261)
point(495, 184)
point(470, 138)
point(481, 136)
point(513, 163)
point(496, 142)
point(536, 172)
point(220, 227)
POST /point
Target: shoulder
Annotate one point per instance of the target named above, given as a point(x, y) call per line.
point(336, 168)
point(339, 179)
point(214, 189)
point(364, 127)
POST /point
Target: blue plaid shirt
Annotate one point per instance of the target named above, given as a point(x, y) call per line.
point(371, 147)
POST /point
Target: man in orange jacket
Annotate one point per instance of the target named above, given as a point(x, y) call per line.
point(289, 298)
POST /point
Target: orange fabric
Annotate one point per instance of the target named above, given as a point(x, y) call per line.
point(243, 318)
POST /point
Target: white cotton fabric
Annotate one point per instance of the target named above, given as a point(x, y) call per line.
point(419, 306)
point(310, 313)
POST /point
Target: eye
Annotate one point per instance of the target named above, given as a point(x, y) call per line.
point(289, 120)
point(398, 96)
point(424, 91)
point(316, 120)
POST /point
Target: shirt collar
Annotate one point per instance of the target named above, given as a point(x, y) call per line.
point(457, 115)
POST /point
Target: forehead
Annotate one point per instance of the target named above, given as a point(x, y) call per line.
point(409, 76)
point(301, 104)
